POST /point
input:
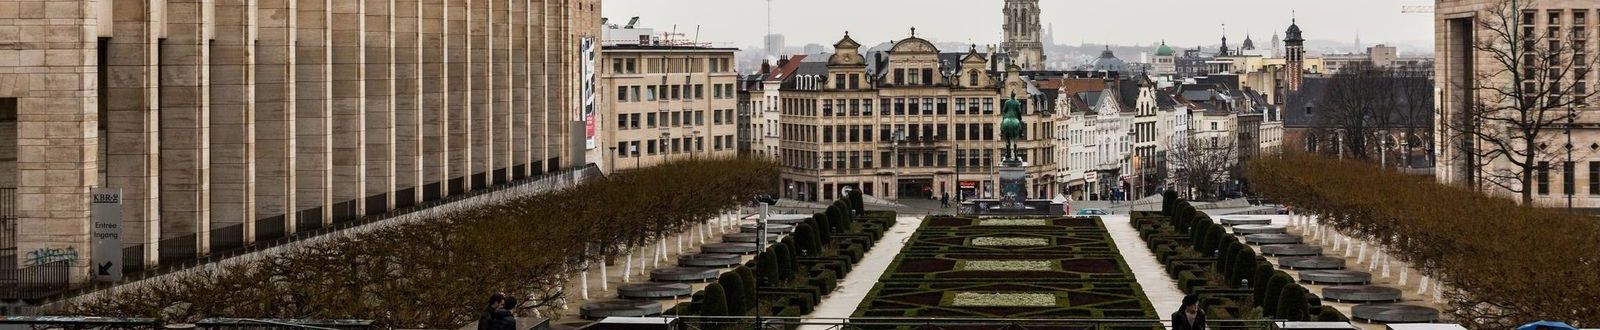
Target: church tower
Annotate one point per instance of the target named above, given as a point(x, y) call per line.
point(1294, 55)
point(1022, 34)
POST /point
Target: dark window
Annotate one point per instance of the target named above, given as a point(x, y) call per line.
point(1567, 186)
point(899, 76)
point(1544, 178)
point(1594, 178)
point(927, 76)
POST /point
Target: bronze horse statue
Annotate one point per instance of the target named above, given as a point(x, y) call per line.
point(1011, 126)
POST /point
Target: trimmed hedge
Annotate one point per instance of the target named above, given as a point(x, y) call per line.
point(735, 293)
point(1292, 304)
point(715, 302)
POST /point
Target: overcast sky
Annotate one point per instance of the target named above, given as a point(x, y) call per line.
point(741, 23)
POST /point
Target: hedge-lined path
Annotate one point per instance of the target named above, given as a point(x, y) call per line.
point(855, 287)
point(1159, 287)
point(1409, 291)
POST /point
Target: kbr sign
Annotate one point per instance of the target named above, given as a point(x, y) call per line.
point(105, 207)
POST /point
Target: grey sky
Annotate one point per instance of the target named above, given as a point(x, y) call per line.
point(741, 23)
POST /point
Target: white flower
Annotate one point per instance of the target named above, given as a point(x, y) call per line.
point(1008, 265)
point(1010, 241)
point(981, 299)
point(1014, 222)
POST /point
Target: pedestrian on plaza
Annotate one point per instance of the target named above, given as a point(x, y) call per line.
point(492, 312)
point(945, 201)
point(1189, 316)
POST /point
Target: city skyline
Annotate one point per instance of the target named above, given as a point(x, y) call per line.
point(1204, 23)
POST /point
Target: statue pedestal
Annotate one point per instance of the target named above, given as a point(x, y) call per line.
point(1013, 184)
point(1013, 199)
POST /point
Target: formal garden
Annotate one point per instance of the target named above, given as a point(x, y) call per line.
point(1049, 268)
point(435, 273)
point(1500, 264)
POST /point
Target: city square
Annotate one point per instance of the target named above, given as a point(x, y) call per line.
point(785, 164)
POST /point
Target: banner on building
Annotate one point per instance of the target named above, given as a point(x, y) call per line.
point(586, 49)
point(106, 214)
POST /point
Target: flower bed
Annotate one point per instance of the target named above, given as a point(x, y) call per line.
point(1008, 268)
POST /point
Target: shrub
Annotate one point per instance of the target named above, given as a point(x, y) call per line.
point(1292, 303)
point(820, 221)
point(1228, 249)
point(734, 293)
point(1244, 262)
point(716, 302)
point(825, 280)
point(838, 218)
point(1213, 240)
point(806, 238)
point(785, 260)
point(1274, 292)
point(1330, 314)
point(1258, 283)
point(767, 268)
point(859, 204)
point(1169, 199)
point(748, 278)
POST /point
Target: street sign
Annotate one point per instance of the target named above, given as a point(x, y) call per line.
point(106, 213)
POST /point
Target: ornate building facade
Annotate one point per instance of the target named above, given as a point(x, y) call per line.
point(908, 122)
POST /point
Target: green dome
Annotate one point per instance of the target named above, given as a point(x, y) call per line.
point(1164, 50)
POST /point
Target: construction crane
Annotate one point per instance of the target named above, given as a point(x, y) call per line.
point(1420, 9)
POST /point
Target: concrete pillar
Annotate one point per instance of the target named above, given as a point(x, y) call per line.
point(380, 106)
point(458, 102)
point(555, 95)
point(275, 116)
point(313, 117)
point(482, 125)
point(347, 29)
point(538, 84)
point(408, 159)
point(436, 171)
point(232, 102)
point(185, 134)
point(521, 111)
point(50, 70)
point(132, 121)
point(500, 95)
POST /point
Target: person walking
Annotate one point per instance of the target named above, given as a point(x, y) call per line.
point(506, 317)
point(1189, 316)
point(944, 202)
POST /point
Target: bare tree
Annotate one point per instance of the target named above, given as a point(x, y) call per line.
point(1415, 92)
point(1523, 93)
point(1204, 166)
point(1362, 103)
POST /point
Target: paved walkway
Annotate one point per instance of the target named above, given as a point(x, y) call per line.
point(855, 287)
point(1152, 276)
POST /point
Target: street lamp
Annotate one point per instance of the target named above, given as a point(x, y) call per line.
point(613, 161)
point(694, 138)
point(899, 136)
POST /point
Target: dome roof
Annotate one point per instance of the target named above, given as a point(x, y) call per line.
point(1249, 44)
point(1109, 62)
point(1294, 32)
point(1164, 50)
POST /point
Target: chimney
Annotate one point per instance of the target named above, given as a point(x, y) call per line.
point(783, 61)
point(766, 66)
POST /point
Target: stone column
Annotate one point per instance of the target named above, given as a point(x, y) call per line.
point(347, 29)
point(313, 117)
point(555, 91)
point(521, 111)
point(538, 84)
point(458, 107)
point(500, 95)
point(233, 124)
point(436, 166)
point(185, 134)
point(481, 99)
point(379, 107)
point(408, 159)
point(275, 122)
point(50, 70)
point(132, 121)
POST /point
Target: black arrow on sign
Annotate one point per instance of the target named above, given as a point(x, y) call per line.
point(105, 269)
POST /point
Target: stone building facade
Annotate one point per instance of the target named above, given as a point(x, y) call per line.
point(667, 103)
point(1458, 67)
point(224, 122)
point(908, 122)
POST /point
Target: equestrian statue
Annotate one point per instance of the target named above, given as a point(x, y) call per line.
point(1011, 126)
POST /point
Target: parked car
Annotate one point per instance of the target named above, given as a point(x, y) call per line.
point(1092, 211)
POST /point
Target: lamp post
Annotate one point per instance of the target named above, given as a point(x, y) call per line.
point(952, 76)
point(899, 135)
point(766, 202)
point(694, 139)
point(613, 161)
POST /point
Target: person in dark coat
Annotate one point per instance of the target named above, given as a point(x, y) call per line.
point(506, 318)
point(1189, 316)
point(492, 312)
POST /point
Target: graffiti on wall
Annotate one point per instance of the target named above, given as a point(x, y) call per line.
point(49, 255)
